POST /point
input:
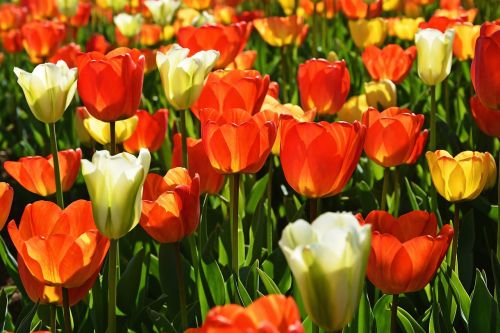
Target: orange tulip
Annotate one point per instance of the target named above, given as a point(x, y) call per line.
point(225, 90)
point(323, 85)
point(405, 251)
point(198, 4)
point(244, 60)
point(12, 40)
point(250, 15)
point(198, 164)
point(228, 40)
point(67, 53)
point(36, 173)
point(110, 85)
point(282, 31)
point(357, 9)
point(488, 120)
point(6, 196)
point(150, 34)
point(60, 248)
point(171, 205)
point(318, 159)
point(41, 39)
point(440, 23)
point(11, 16)
point(237, 142)
point(149, 60)
point(394, 136)
point(271, 313)
point(464, 43)
point(97, 43)
point(465, 15)
point(149, 133)
point(449, 4)
point(484, 70)
point(82, 16)
point(40, 9)
point(391, 63)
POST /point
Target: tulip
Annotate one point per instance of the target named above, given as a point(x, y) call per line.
point(198, 4)
point(466, 35)
point(36, 173)
point(227, 40)
point(353, 109)
point(404, 28)
point(244, 60)
point(271, 313)
point(150, 34)
point(318, 159)
point(405, 251)
point(488, 120)
point(237, 142)
point(48, 90)
point(163, 11)
point(183, 77)
point(211, 181)
point(115, 188)
point(83, 135)
point(110, 85)
point(6, 197)
point(464, 15)
point(485, 79)
point(60, 248)
point(12, 41)
point(328, 260)
point(128, 25)
point(41, 9)
point(357, 9)
point(381, 93)
point(368, 32)
point(12, 16)
point(97, 43)
point(82, 16)
point(394, 136)
point(100, 131)
point(239, 89)
point(67, 54)
point(41, 39)
point(462, 177)
point(323, 85)
point(149, 133)
point(391, 63)
point(67, 7)
point(282, 31)
point(440, 23)
point(171, 205)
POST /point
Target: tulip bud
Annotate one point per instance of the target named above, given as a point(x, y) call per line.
point(434, 54)
point(382, 92)
point(163, 10)
point(368, 32)
point(128, 25)
point(328, 259)
point(100, 131)
point(353, 109)
point(115, 188)
point(48, 90)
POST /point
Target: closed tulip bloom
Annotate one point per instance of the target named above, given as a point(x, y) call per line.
point(171, 205)
point(150, 34)
point(434, 54)
point(41, 39)
point(82, 16)
point(323, 85)
point(382, 93)
point(318, 159)
point(97, 43)
point(394, 136)
point(440, 23)
point(183, 77)
point(149, 133)
point(198, 4)
point(368, 32)
point(60, 248)
point(328, 260)
point(237, 142)
point(12, 16)
point(353, 109)
point(128, 25)
point(115, 185)
point(110, 85)
point(6, 197)
point(391, 63)
point(239, 89)
point(466, 35)
point(288, 6)
point(83, 135)
point(198, 164)
point(282, 31)
point(100, 131)
point(404, 28)
point(484, 73)
point(462, 177)
point(271, 313)
point(48, 90)
point(163, 11)
point(488, 120)
point(244, 60)
point(227, 40)
point(12, 41)
point(41, 9)
point(357, 9)
point(67, 54)
point(36, 173)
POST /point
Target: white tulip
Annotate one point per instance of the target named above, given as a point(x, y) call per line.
point(128, 25)
point(163, 11)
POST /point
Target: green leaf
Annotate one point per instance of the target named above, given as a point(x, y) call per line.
point(461, 297)
point(271, 287)
point(382, 313)
point(411, 196)
point(129, 285)
point(409, 323)
point(363, 320)
point(257, 194)
point(496, 273)
point(465, 253)
point(25, 325)
point(4, 302)
point(484, 316)
point(215, 281)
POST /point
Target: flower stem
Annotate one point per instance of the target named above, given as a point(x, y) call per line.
point(57, 172)
point(53, 322)
point(269, 223)
point(184, 138)
point(284, 74)
point(314, 328)
point(113, 249)
point(394, 313)
point(456, 228)
point(397, 193)
point(498, 223)
point(315, 30)
point(234, 183)
point(313, 209)
point(67, 311)
point(112, 134)
point(182, 287)
point(385, 187)
point(432, 144)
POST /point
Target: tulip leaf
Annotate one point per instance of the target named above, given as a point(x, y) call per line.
point(363, 319)
point(496, 273)
point(465, 253)
point(10, 264)
point(4, 302)
point(202, 296)
point(462, 298)
point(161, 321)
point(411, 196)
point(257, 194)
point(128, 286)
point(409, 323)
point(269, 284)
point(168, 278)
point(25, 324)
point(214, 280)
point(484, 315)
point(382, 313)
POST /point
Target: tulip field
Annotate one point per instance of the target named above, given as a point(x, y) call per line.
point(259, 166)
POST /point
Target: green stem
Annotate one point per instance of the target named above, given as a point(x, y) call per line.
point(397, 192)
point(113, 249)
point(57, 172)
point(184, 138)
point(432, 144)
point(234, 183)
point(394, 313)
point(182, 287)
point(67, 311)
point(315, 30)
point(284, 74)
point(385, 187)
point(112, 139)
point(498, 223)
point(315, 328)
point(313, 209)
point(53, 321)
point(456, 228)
point(269, 223)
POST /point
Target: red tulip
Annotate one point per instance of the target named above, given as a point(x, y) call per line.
point(440, 23)
point(394, 136)
point(357, 9)
point(484, 70)
point(40, 9)
point(36, 173)
point(391, 63)
point(11, 16)
point(6, 197)
point(318, 159)
point(239, 89)
point(150, 34)
point(449, 4)
point(405, 251)
point(323, 85)
point(82, 16)
point(12, 40)
point(237, 142)
point(97, 43)
point(149, 133)
point(171, 205)
point(488, 120)
point(67, 53)
point(41, 39)
point(244, 60)
point(210, 180)
point(110, 85)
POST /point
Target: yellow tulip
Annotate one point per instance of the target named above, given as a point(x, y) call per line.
point(381, 92)
point(287, 5)
point(405, 28)
point(368, 32)
point(389, 5)
point(128, 25)
point(353, 109)
point(462, 177)
point(466, 35)
point(100, 130)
